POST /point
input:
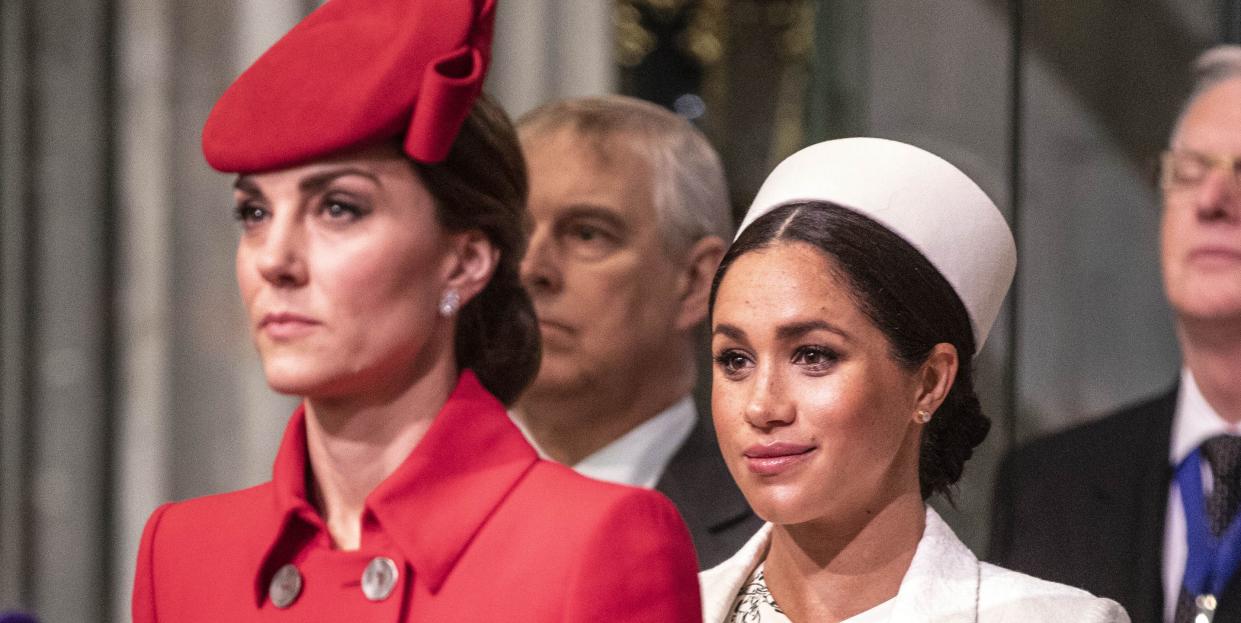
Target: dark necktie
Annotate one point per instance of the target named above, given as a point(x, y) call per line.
point(1223, 454)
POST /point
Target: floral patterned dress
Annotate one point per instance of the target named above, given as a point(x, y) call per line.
point(755, 604)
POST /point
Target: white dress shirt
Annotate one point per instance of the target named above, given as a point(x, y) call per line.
point(1193, 423)
point(639, 457)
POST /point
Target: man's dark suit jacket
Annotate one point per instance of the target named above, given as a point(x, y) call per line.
point(698, 483)
point(1086, 507)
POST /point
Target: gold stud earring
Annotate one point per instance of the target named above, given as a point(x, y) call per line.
point(923, 416)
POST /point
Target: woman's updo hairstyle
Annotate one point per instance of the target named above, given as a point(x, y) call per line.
point(904, 295)
point(359, 73)
point(482, 185)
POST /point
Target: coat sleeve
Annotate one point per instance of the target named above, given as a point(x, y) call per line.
point(1108, 611)
point(639, 566)
point(143, 605)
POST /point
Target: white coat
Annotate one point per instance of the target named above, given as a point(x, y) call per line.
point(945, 583)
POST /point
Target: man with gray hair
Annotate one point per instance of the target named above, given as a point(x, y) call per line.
point(631, 218)
point(1141, 505)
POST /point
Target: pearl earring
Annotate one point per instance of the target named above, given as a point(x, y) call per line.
point(449, 303)
point(923, 416)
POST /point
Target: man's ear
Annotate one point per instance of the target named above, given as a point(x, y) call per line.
point(936, 376)
point(696, 274)
point(472, 261)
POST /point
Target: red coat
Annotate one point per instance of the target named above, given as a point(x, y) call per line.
point(479, 528)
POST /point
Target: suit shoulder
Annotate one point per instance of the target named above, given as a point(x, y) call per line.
point(1121, 431)
point(1003, 592)
point(547, 473)
point(585, 494)
point(561, 495)
point(627, 556)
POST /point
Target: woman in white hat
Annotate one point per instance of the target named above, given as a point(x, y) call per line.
point(844, 320)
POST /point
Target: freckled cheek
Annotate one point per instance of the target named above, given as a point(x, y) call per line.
point(728, 403)
point(734, 434)
point(844, 422)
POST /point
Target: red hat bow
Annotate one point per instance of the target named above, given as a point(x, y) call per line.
point(450, 84)
point(354, 73)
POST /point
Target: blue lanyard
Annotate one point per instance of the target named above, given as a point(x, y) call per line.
point(1211, 560)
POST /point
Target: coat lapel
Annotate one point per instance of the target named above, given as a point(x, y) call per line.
point(1147, 597)
point(721, 583)
point(1230, 601)
point(942, 582)
point(1132, 494)
point(472, 446)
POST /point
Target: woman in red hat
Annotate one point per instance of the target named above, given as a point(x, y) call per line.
point(381, 207)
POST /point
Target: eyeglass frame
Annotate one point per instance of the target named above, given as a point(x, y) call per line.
point(1212, 162)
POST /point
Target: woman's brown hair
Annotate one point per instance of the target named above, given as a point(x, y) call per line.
point(482, 185)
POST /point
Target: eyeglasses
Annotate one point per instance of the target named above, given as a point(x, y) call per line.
point(1182, 169)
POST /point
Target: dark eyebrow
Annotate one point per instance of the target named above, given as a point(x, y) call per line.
point(246, 184)
point(798, 329)
point(311, 184)
point(729, 331)
point(315, 183)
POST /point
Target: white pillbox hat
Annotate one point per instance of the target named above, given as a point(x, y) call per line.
point(920, 197)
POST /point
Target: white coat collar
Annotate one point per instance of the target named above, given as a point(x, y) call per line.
point(941, 584)
point(721, 583)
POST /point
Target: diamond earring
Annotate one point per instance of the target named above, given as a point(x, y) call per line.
point(449, 303)
point(923, 416)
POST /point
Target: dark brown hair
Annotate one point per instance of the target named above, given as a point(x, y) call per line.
point(482, 185)
point(903, 294)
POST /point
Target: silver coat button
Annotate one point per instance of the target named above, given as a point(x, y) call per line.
point(379, 579)
point(285, 586)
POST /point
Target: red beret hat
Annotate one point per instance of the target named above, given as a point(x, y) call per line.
point(353, 73)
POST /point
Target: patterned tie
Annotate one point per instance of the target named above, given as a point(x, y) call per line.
point(1223, 454)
